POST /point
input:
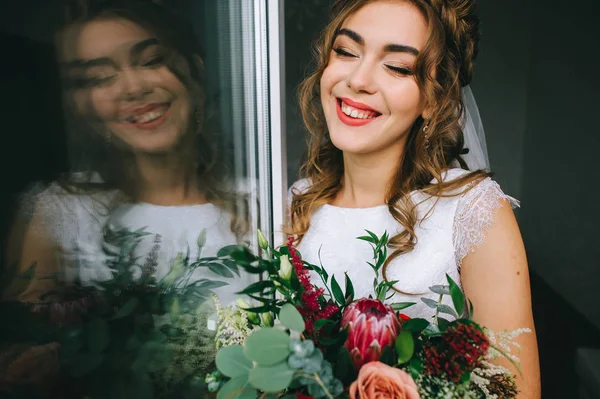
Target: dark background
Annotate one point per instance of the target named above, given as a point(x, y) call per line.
point(536, 83)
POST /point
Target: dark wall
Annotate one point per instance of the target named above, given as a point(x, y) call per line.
point(561, 148)
point(500, 86)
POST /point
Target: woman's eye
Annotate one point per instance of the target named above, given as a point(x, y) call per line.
point(82, 82)
point(400, 70)
point(154, 61)
point(96, 81)
point(343, 53)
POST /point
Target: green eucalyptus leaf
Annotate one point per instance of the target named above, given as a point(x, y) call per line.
point(267, 346)
point(232, 362)
point(405, 346)
point(458, 298)
point(440, 289)
point(291, 318)
point(237, 388)
point(430, 302)
point(337, 292)
point(271, 378)
point(447, 310)
point(432, 330)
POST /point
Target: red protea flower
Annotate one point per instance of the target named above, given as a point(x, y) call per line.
point(371, 327)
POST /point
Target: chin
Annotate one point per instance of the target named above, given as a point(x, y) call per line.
point(345, 142)
point(150, 141)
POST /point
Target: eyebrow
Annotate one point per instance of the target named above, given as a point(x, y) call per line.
point(136, 49)
point(388, 48)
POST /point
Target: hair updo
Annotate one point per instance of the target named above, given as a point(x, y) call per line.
point(461, 26)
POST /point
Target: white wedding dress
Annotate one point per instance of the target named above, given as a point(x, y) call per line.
point(75, 225)
point(456, 226)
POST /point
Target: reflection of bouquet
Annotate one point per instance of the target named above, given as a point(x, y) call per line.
point(326, 344)
point(131, 336)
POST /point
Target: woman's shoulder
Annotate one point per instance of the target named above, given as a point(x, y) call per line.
point(475, 188)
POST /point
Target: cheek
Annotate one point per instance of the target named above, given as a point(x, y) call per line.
point(331, 75)
point(95, 104)
point(405, 100)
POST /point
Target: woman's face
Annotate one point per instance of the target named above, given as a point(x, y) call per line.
point(369, 94)
point(119, 80)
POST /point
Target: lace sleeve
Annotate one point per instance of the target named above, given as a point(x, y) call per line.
point(475, 214)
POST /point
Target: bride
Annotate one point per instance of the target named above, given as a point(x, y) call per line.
point(385, 112)
point(141, 155)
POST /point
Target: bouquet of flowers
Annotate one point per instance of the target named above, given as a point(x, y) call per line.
point(130, 336)
point(300, 340)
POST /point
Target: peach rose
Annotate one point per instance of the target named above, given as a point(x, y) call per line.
point(377, 380)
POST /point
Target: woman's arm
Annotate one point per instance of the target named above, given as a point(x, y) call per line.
point(495, 277)
point(30, 243)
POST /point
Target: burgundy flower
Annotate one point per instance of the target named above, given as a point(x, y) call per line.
point(460, 350)
point(371, 327)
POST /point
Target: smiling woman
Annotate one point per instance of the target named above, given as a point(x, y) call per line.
point(141, 153)
point(142, 156)
point(384, 109)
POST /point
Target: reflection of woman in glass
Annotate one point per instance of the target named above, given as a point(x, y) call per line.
point(141, 154)
point(384, 110)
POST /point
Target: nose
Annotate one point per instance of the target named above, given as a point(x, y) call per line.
point(134, 86)
point(361, 78)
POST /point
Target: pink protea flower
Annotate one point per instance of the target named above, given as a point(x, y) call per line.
point(371, 327)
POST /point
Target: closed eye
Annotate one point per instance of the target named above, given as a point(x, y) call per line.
point(154, 61)
point(399, 70)
point(343, 53)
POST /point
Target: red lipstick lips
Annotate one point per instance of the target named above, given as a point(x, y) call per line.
point(350, 121)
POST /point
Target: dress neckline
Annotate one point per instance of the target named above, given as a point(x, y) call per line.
point(445, 174)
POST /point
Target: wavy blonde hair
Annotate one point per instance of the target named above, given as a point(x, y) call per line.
point(444, 66)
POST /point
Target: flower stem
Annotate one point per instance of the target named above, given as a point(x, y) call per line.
point(437, 311)
point(321, 384)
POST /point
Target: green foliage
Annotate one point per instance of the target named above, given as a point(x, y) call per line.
point(291, 318)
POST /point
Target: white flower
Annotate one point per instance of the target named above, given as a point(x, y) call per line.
point(285, 267)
